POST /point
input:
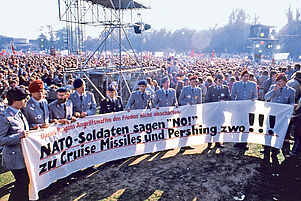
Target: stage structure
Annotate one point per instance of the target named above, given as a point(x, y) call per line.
point(115, 17)
point(262, 41)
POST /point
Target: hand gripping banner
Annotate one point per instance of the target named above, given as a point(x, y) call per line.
point(61, 150)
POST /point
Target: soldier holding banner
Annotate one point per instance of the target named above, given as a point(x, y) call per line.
point(36, 110)
point(112, 103)
point(14, 127)
point(61, 110)
point(191, 95)
point(84, 103)
point(279, 93)
point(140, 99)
point(217, 93)
point(165, 96)
point(244, 90)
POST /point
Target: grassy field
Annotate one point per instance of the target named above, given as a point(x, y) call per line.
point(6, 178)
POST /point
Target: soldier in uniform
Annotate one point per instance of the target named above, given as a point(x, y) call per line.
point(279, 93)
point(244, 90)
point(112, 103)
point(84, 103)
point(191, 95)
point(61, 110)
point(36, 110)
point(140, 99)
point(14, 127)
point(166, 96)
point(295, 84)
point(216, 93)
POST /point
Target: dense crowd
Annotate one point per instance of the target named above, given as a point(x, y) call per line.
point(176, 81)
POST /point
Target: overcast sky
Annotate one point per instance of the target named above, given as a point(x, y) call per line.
point(24, 18)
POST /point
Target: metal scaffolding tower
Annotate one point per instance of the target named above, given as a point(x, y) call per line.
point(115, 16)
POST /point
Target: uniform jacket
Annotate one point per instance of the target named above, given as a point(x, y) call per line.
point(161, 100)
point(287, 96)
point(107, 106)
point(34, 114)
point(295, 85)
point(137, 102)
point(57, 111)
point(12, 124)
point(189, 95)
point(214, 95)
point(88, 105)
point(239, 92)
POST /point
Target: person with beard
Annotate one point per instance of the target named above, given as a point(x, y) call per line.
point(36, 110)
point(61, 110)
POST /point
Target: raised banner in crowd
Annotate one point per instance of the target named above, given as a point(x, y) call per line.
point(61, 150)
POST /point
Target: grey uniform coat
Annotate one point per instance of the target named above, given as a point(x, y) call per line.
point(12, 124)
point(241, 92)
point(88, 105)
point(215, 95)
point(189, 95)
point(136, 101)
point(59, 111)
point(164, 100)
point(287, 96)
point(35, 114)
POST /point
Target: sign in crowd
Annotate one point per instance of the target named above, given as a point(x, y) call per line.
point(61, 150)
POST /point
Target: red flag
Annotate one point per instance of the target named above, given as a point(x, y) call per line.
point(212, 55)
point(12, 47)
point(191, 54)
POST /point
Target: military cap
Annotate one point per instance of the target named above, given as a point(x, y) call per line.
point(219, 76)
point(16, 94)
point(111, 88)
point(78, 82)
point(244, 72)
point(35, 86)
point(142, 82)
point(281, 76)
point(164, 79)
point(193, 78)
point(62, 89)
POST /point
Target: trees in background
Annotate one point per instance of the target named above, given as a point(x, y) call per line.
point(228, 38)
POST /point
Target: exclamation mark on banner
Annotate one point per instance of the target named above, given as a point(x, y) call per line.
point(189, 120)
point(272, 120)
point(251, 121)
point(261, 118)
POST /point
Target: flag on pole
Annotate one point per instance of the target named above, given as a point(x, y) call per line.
point(191, 54)
point(12, 47)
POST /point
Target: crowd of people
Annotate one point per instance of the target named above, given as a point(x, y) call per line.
point(176, 82)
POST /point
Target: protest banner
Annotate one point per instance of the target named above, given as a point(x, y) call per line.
point(61, 150)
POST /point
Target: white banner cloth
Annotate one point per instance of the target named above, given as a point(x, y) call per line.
point(59, 151)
